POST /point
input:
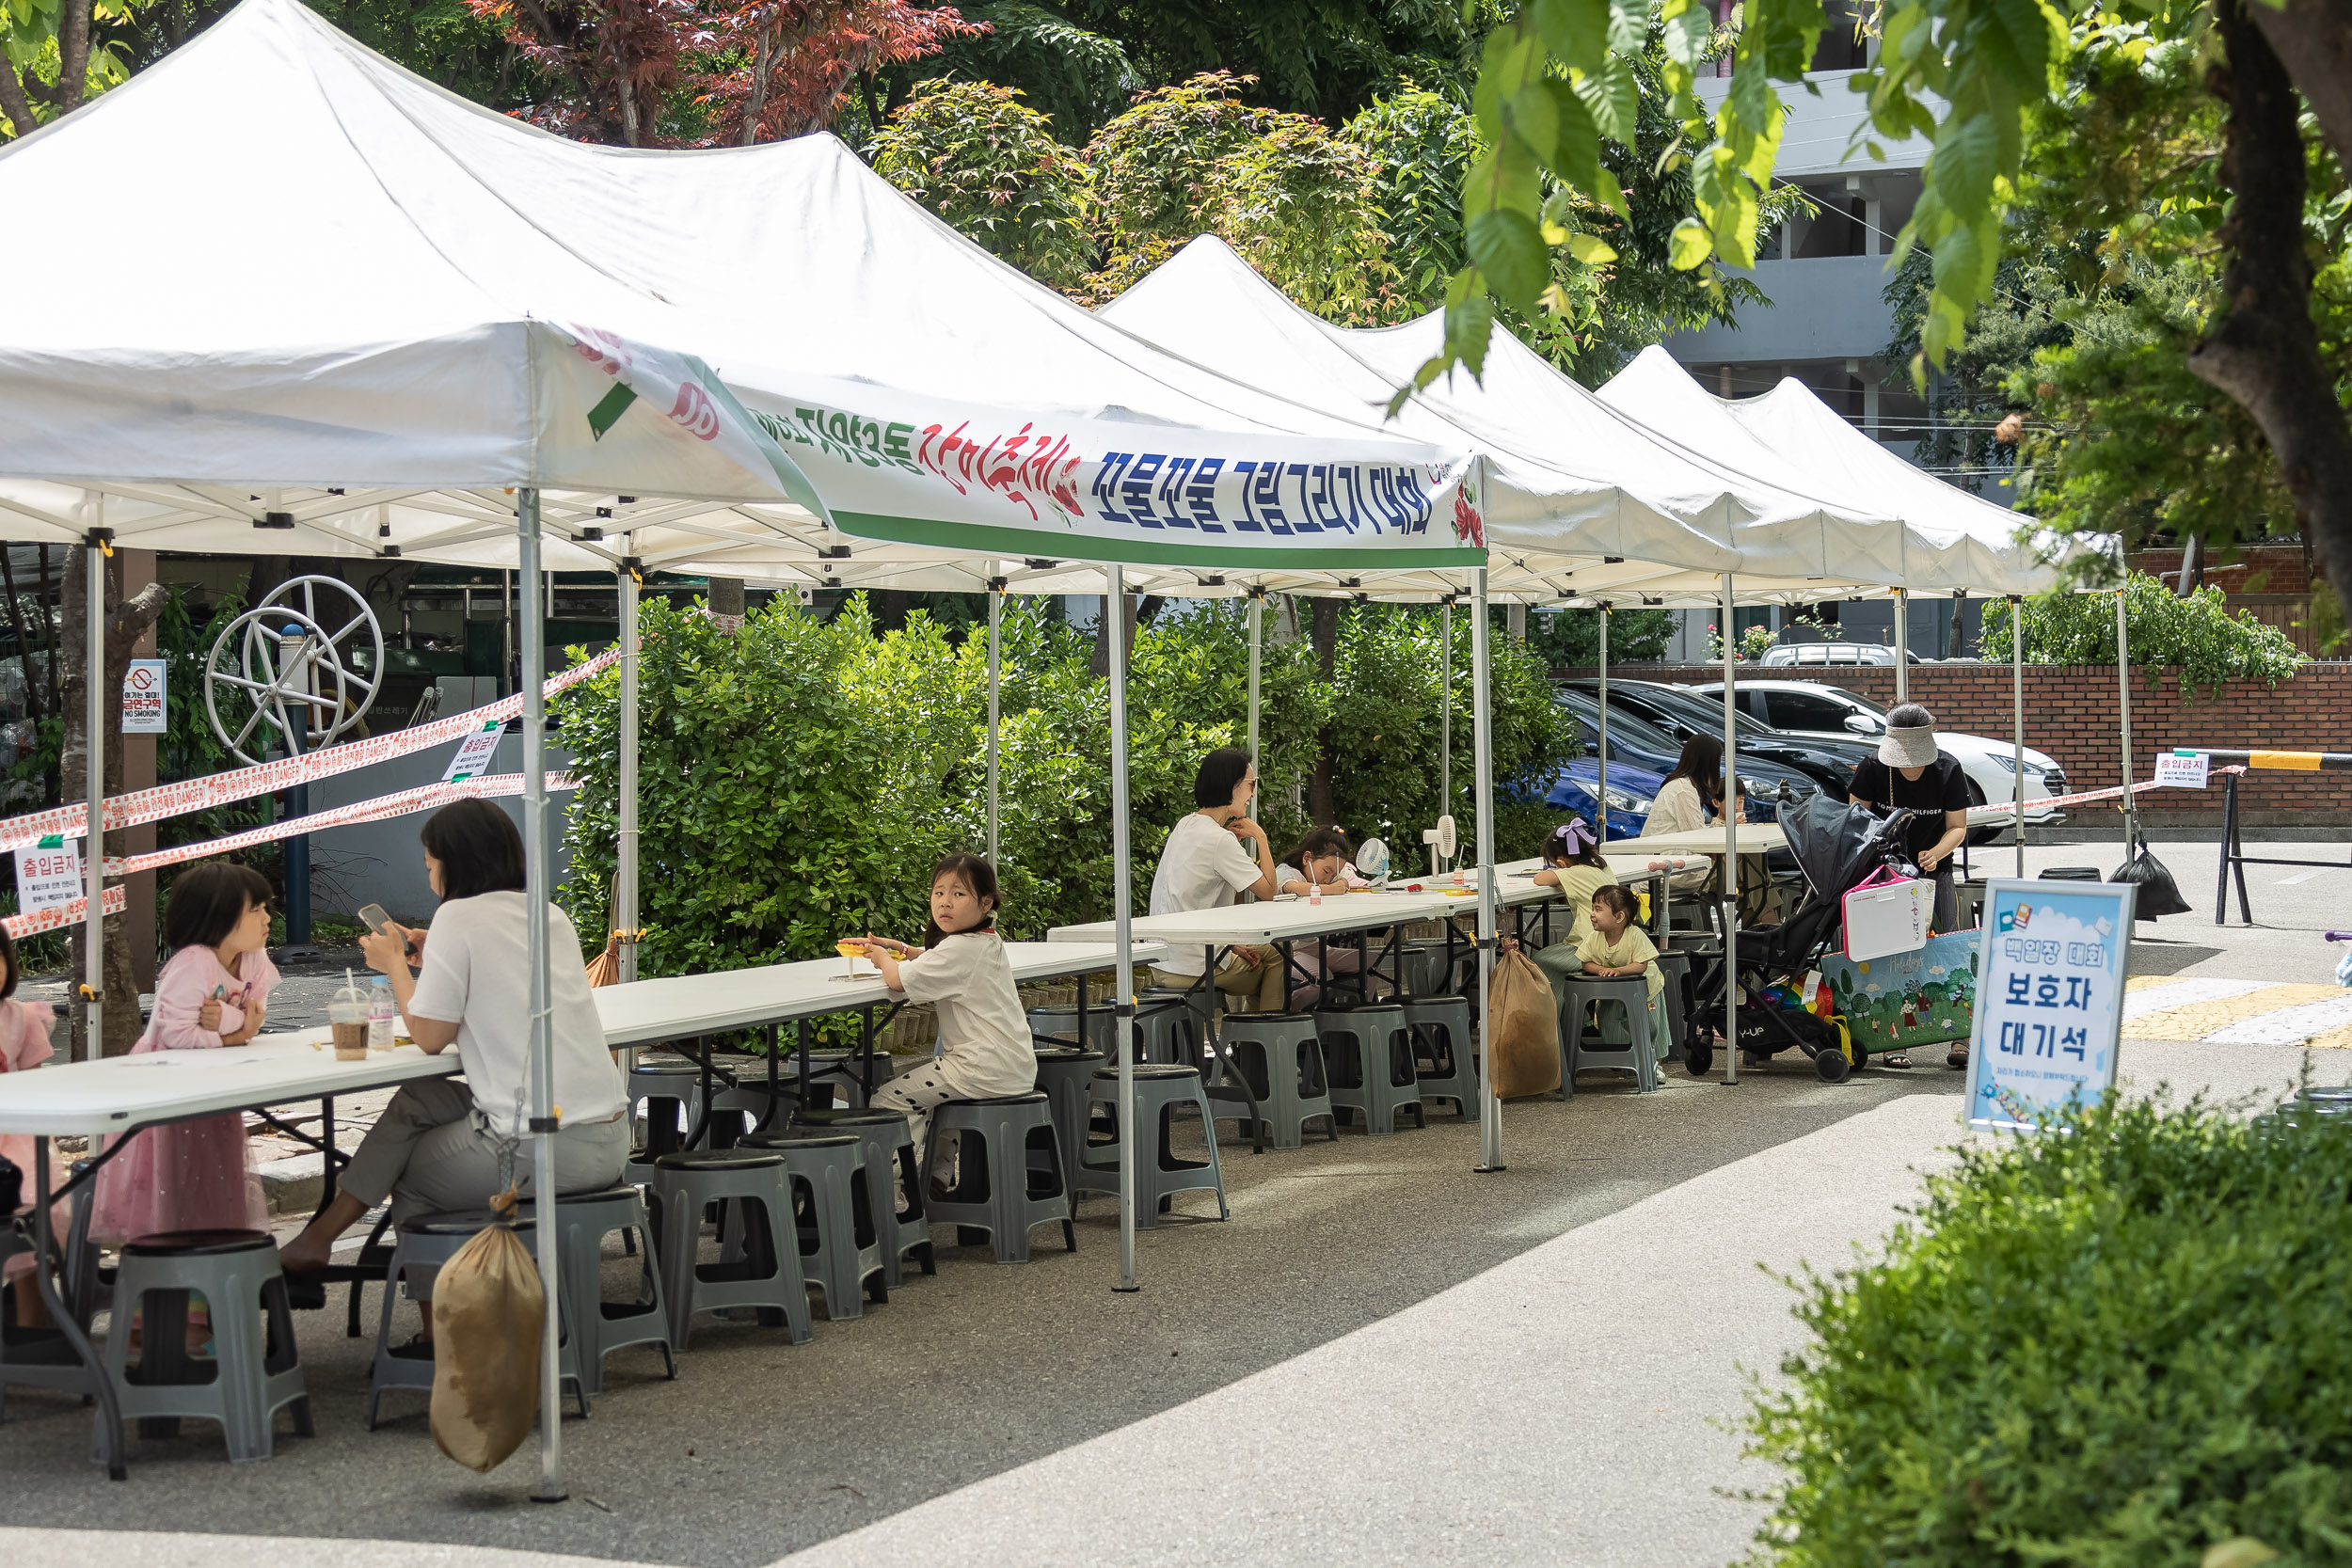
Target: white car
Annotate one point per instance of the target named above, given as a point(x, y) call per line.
point(1810, 707)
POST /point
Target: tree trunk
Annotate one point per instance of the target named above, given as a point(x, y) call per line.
point(16, 623)
point(73, 55)
point(1102, 665)
point(2313, 40)
point(12, 101)
point(761, 69)
point(2265, 353)
point(125, 625)
point(1327, 644)
point(725, 598)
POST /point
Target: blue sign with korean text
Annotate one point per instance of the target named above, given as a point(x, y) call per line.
point(2049, 999)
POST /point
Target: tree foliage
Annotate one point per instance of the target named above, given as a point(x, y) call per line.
point(989, 165)
point(2195, 636)
point(1076, 77)
point(1562, 77)
point(811, 771)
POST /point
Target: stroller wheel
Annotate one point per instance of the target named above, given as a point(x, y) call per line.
point(1697, 1058)
point(1832, 1064)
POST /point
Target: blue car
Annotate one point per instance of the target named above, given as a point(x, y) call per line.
point(1637, 744)
point(1576, 787)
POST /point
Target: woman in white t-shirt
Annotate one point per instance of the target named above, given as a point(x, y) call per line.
point(1212, 856)
point(437, 1143)
point(984, 1049)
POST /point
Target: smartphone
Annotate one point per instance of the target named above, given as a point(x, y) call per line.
point(373, 917)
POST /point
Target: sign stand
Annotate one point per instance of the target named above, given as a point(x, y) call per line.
point(2049, 1012)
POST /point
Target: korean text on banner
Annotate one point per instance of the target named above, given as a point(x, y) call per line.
point(2182, 769)
point(143, 697)
point(2049, 1000)
point(47, 874)
point(474, 752)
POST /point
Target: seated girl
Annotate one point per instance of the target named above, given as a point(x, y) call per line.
point(1618, 948)
point(1318, 861)
point(1572, 864)
point(213, 993)
point(984, 1049)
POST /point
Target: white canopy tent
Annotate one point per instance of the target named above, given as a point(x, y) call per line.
point(455, 337)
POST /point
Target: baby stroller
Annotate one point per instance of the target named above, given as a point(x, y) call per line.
point(1837, 846)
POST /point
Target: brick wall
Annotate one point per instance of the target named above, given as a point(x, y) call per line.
point(2072, 712)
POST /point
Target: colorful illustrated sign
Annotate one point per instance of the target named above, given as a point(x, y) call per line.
point(1902, 1000)
point(143, 697)
point(2049, 999)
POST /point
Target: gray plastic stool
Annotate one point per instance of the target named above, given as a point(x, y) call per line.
point(1445, 1053)
point(1012, 1181)
point(1427, 972)
point(1064, 1074)
point(672, 1089)
point(832, 1214)
point(1369, 1053)
point(584, 1221)
point(424, 1244)
point(1057, 1026)
point(1160, 1089)
point(765, 1276)
point(1280, 1058)
point(1185, 1034)
point(252, 1374)
point(1583, 1045)
point(894, 1185)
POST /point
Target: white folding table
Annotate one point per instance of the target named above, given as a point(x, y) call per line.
point(121, 1094)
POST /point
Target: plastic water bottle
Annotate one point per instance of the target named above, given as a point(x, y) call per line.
point(381, 1014)
point(1314, 885)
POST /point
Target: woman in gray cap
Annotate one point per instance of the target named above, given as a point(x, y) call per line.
point(1910, 774)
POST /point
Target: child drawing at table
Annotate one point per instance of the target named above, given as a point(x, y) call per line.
point(24, 1045)
point(1618, 948)
point(214, 990)
point(1572, 864)
point(984, 1048)
point(1317, 863)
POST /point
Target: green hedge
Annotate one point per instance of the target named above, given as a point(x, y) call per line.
point(798, 779)
point(2120, 1344)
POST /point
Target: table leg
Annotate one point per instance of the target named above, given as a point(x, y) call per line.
point(865, 1045)
point(1286, 977)
point(1084, 1040)
point(773, 1045)
point(327, 1151)
point(102, 1386)
point(804, 1030)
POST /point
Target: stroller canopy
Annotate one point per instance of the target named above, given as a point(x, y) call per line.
point(1837, 844)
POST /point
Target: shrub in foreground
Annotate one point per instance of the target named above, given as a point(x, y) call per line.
point(2118, 1345)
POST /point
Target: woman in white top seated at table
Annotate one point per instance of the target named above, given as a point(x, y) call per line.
point(437, 1143)
point(1212, 856)
point(1692, 797)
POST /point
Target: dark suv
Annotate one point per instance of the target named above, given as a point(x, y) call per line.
point(1682, 714)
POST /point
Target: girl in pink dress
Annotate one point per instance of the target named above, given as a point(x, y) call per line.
point(24, 1045)
point(195, 1174)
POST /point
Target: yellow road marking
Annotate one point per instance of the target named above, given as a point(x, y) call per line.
point(2147, 982)
point(2199, 1019)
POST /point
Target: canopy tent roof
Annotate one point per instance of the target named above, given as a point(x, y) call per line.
point(1602, 505)
point(449, 304)
point(1791, 417)
point(1801, 444)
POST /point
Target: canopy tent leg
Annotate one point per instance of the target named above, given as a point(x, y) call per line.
point(1122, 919)
point(995, 680)
point(1731, 841)
point(2017, 715)
point(2123, 691)
point(1482, 725)
point(95, 549)
point(1445, 716)
point(624, 880)
point(1256, 644)
point(1601, 791)
point(1902, 646)
point(542, 1111)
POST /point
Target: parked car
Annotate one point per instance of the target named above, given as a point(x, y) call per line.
point(1681, 713)
point(1781, 655)
point(1576, 787)
point(1634, 740)
point(1811, 707)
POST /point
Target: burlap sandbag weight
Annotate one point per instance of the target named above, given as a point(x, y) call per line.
point(488, 1307)
point(1523, 1037)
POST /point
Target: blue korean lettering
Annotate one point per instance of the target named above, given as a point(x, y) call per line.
point(1106, 486)
point(1135, 493)
point(2020, 991)
point(2045, 991)
point(2075, 1041)
point(1200, 494)
point(2012, 1039)
point(1171, 488)
point(2078, 993)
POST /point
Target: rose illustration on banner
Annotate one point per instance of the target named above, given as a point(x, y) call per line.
point(1468, 523)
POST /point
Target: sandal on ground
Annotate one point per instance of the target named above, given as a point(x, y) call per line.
point(1896, 1059)
point(1959, 1057)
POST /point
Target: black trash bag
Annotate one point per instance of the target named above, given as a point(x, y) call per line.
point(2157, 895)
